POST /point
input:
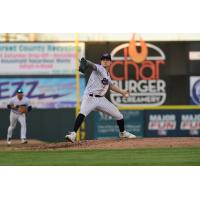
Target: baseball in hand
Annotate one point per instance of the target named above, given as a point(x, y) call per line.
point(126, 95)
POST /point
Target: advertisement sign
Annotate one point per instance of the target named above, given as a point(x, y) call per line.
point(190, 122)
point(161, 123)
point(39, 58)
point(106, 126)
point(160, 79)
point(195, 90)
point(139, 73)
point(43, 92)
point(172, 123)
point(194, 58)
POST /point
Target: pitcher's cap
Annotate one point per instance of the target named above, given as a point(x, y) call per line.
point(106, 56)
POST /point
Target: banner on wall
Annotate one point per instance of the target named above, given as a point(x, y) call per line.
point(159, 79)
point(43, 92)
point(190, 122)
point(172, 123)
point(105, 126)
point(195, 90)
point(39, 58)
point(140, 73)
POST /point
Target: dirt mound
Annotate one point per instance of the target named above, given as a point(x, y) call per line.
point(167, 142)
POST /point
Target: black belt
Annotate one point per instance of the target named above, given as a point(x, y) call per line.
point(92, 95)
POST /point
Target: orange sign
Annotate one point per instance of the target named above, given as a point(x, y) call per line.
point(136, 56)
point(136, 70)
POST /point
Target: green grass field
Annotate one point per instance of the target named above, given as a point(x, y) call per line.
point(118, 157)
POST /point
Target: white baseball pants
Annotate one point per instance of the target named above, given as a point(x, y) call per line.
point(102, 104)
point(21, 118)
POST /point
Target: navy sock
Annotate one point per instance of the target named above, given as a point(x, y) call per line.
point(120, 123)
point(78, 122)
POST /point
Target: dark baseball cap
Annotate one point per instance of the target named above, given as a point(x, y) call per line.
point(106, 56)
point(20, 91)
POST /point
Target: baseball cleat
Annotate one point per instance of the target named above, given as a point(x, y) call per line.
point(71, 137)
point(24, 141)
point(126, 134)
point(8, 141)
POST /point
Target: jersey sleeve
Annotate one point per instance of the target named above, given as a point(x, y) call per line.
point(10, 102)
point(101, 71)
point(110, 81)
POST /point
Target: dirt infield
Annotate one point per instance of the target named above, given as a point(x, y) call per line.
point(167, 142)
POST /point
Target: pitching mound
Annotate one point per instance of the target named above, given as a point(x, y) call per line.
point(168, 142)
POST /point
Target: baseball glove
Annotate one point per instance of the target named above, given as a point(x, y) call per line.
point(83, 65)
point(23, 109)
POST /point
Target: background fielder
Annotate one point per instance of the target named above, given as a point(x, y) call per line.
point(93, 98)
point(19, 106)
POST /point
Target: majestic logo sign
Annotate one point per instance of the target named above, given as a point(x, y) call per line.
point(136, 68)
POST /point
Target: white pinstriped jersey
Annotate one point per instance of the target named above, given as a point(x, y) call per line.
point(16, 102)
point(95, 85)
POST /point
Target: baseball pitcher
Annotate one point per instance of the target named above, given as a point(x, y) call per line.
point(93, 98)
point(19, 106)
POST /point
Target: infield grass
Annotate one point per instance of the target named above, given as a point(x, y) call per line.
point(117, 157)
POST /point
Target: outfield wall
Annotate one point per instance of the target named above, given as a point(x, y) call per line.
point(45, 124)
point(51, 125)
point(166, 121)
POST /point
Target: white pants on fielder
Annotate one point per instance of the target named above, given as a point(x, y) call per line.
point(21, 118)
point(100, 104)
